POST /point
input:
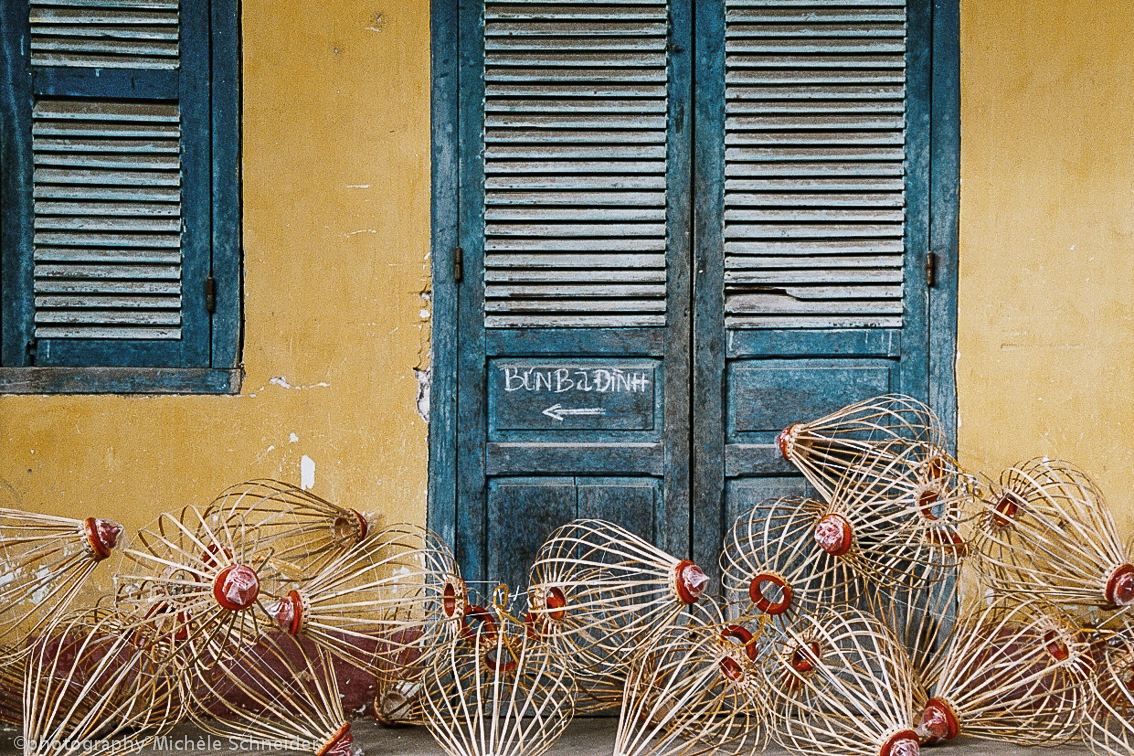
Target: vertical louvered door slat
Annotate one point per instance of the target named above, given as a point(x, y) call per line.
point(818, 248)
point(119, 181)
point(579, 213)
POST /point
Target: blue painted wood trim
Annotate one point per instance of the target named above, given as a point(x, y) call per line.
point(945, 184)
point(227, 248)
point(15, 187)
point(445, 103)
point(195, 103)
point(675, 526)
point(870, 342)
point(913, 370)
point(54, 380)
point(707, 461)
point(105, 82)
point(471, 511)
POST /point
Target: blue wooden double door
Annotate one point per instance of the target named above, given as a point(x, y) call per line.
point(665, 230)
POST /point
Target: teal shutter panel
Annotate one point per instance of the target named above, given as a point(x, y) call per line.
point(575, 108)
point(814, 217)
point(107, 203)
point(120, 180)
point(139, 34)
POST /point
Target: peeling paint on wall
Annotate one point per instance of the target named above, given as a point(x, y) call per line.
point(424, 384)
point(306, 472)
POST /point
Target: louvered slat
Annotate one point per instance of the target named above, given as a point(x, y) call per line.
point(575, 163)
point(107, 220)
point(105, 33)
point(814, 163)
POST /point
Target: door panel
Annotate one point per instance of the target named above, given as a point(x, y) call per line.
point(524, 511)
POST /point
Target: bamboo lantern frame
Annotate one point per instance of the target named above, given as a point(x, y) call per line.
point(599, 591)
point(697, 688)
point(867, 435)
point(275, 690)
point(92, 678)
point(1109, 730)
point(381, 605)
point(1013, 670)
point(301, 532)
point(843, 686)
point(772, 565)
point(498, 689)
point(1046, 530)
point(194, 589)
point(44, 562)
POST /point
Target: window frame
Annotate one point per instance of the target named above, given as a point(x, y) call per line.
point(223, 373)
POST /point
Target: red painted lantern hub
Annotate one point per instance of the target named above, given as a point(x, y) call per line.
point(765, 604)
point(731, 669)
point(904, 743)
point(1055, 646)
point(289, 613)
point(784, 441)
point(804, 657)
point(1006, 510)
point(338, 744)
point(741, 634)
point(1120, 587)
point(556, 603)
point(236, 587)
point(938, 722)
point(691, 581)
point(834, 534)
point(449, 599)
point(102, 536)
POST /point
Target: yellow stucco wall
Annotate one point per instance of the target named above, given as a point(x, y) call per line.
point(336, 233)
point(336, 224)
point(1046, 300)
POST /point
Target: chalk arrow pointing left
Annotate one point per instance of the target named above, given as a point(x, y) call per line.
point(558, 411)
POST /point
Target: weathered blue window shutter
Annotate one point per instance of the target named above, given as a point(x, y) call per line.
point(120, 188)
point(755, 247)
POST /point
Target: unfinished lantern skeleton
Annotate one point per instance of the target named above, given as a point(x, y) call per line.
point(44, 563)
point(1046, 530)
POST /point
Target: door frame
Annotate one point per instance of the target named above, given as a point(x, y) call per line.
point(449, 57)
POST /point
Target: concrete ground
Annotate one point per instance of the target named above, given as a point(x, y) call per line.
point(585, 737)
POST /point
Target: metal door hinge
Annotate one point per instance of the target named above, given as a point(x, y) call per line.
point(458, 264)
point(30, 353)
point(930, 268)
point(211, 294)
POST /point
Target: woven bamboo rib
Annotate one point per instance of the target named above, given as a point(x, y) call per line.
point(600, 590)
point(381, 604)
point(922, 620)
point(497, 689)
point(865, 436)
point(300, 531)
point(276, 689)
point(1045, 530)
point(697, 688)
point(842, 685)
point(772, 565)
point(1109, 730)
point(44, 563)
point(90, 678)
point(1014, 670)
